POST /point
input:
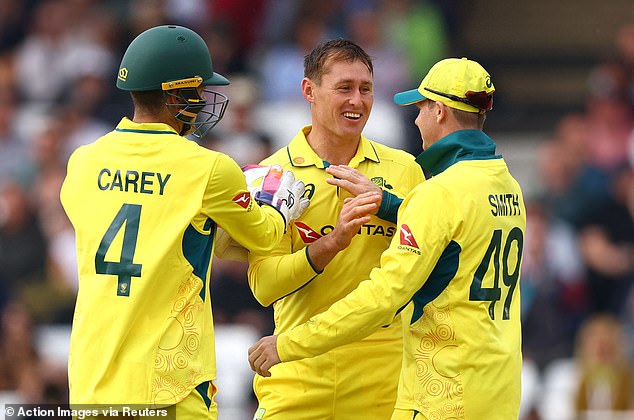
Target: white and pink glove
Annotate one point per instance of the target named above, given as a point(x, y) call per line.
point(273, 186)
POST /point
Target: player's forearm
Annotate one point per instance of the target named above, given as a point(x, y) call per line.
point(322, 251)
point(273, 277)
point(355, 317)
point(258, 231)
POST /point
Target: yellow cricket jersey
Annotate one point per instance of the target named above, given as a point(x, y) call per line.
point(335, 385)
point(145, 203)
point(285, 275)
point(454, 266)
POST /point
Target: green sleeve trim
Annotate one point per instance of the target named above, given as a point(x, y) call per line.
point(311, 263)
point(389, 207)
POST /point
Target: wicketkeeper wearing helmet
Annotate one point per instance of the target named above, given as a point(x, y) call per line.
point(145, 203)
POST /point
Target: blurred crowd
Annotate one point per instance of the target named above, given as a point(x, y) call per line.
point(58, 63)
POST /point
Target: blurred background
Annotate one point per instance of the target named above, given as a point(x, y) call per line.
point(563, 119)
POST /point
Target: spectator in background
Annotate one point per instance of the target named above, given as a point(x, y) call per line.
point(18, 358)
point(238, 137)
point(22, 242)
point(625, 54)
point(609, 115)
point(366, 27)
point(553, 290)
point(606, 378)
point(419, 26)
point(607, 245)
point(414, 25)
point(42, 66)
point(244, 19)
point(13, 23)
point(233, 300)
point(280, 71)
point(25, 376)
point(14, 153)
point(571, 187)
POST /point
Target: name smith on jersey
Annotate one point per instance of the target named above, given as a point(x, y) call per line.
point(505, 204)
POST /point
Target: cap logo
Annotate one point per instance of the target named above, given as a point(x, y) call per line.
point(123, 74)
point(488, 82)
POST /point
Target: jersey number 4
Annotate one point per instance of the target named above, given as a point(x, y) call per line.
point(492, 294)
point(125, 268)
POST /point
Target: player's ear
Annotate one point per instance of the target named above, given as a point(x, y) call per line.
point(441, 111)
point(307, 89)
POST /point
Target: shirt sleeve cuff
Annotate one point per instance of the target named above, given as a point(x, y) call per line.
point(389, 207)
point(310, 262)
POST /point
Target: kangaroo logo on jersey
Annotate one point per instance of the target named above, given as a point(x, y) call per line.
point(408, 243)
point(407, 238)
point(307, 234)
point(381, 182)
point(243, 199)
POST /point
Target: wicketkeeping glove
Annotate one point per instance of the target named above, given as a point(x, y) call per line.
point(277, 188)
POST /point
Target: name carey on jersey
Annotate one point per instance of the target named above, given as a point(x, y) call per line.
point(143, 182)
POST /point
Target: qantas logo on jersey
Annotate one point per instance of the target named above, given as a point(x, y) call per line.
point(307, 234)
point(408, 242)
point(243, 199)
point(407, 238)
point(310, 235)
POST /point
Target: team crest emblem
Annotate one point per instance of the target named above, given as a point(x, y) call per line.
point(307, 234)
point(381, 182)
point(243, 199)
point(124, 289)
point(123, 73)
point(407, 238)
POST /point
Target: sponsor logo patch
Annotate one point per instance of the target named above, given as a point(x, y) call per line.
point(407, 238)
point(307, 234)
point(243, 199)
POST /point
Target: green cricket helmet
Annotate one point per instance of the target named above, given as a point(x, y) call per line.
point(176, 60)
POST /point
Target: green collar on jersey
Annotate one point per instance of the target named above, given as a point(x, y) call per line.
point(457, 146)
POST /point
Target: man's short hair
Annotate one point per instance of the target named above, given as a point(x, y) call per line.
point(466, 119)
point(336, 49)
point(152, 101)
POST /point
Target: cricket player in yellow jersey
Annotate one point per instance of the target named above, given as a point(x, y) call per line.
point(313, 266)
point(451, 271)
point(145, 203)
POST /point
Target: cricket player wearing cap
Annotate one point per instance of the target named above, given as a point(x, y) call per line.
point(145, 203)
point(451, 271)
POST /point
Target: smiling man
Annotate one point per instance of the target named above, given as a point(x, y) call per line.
point(326, 253)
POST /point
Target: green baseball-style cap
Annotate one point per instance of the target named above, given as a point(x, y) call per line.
point(459, 83)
